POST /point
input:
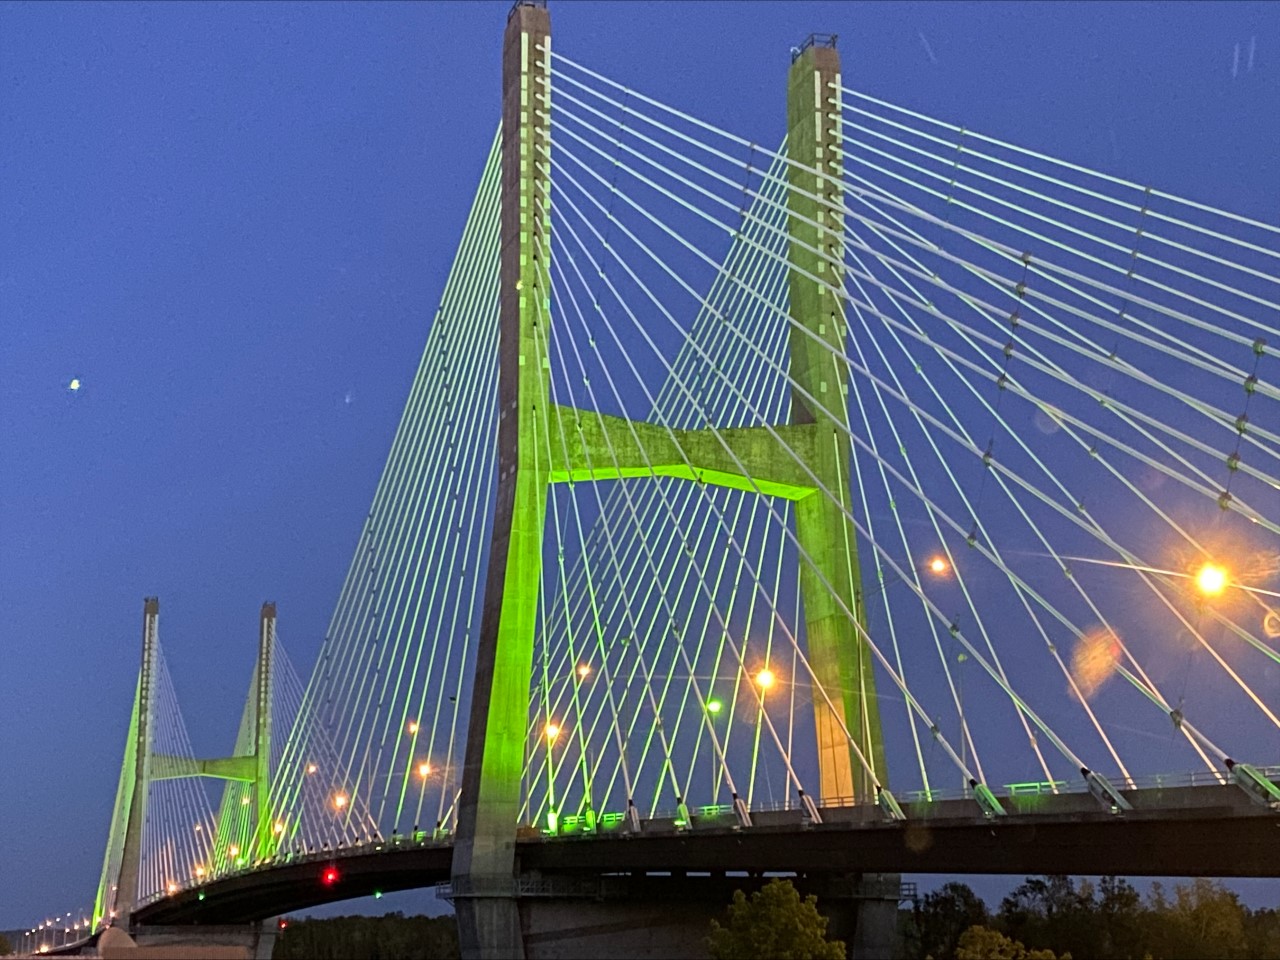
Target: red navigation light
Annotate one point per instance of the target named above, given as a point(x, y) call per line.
point(283, 923)
point(330, 876)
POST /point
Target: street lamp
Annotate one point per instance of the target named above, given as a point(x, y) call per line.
point(1211, 579)
point(714, 708)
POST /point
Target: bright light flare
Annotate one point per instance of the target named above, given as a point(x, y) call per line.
point(551, 730)
point(330, 876)
point(74, 385)
point(1211, 579)
point(584, 671)
point(424, 770)
point(939, 566)
point(413, 726)
point(311, 768)
point(714, 706)
point(340, 801)
point(765, 678)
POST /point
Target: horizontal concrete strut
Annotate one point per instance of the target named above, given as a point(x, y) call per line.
point(165, 767)
point(765, 460)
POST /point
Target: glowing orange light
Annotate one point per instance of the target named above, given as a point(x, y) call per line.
point(413, 726)
point(233, 850)
point(1211, 579)
point(584, 670)
point(938, 565)
point(340, 801)
point(765, 678)
point(279, 826)
point(172, 888)
point(552, 731)
point(199, 871)
point(311, 768)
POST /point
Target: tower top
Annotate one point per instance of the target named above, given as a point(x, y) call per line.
point(813, 40)
point(541, 4)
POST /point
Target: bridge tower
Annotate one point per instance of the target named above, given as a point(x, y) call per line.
point(131, 799)
point(265, 836)
point(143, 766)
point(484, 855)
point(831, 587)
point(753, 459)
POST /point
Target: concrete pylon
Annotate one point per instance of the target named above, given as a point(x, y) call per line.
point(484, 851)
point(135, 812)
point(263, 687)
point(840, 658)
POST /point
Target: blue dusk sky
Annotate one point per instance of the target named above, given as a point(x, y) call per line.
point(231, 222)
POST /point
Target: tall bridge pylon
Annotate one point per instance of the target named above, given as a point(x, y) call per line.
point(758, 459)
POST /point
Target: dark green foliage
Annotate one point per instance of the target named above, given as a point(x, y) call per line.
point(1197, 920)
point(943, 916)
point(6, 947)
point(1054, 913)
point(390, 937)
point(774, 924)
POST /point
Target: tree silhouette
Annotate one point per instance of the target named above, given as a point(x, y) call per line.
point(774, 924)
point(982, 943)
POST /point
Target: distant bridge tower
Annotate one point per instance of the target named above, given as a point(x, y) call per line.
point(118, 890)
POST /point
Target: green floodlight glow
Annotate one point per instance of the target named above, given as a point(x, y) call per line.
point(377, 894)
point(714, 706)
point(553, 821)
point(200, 895)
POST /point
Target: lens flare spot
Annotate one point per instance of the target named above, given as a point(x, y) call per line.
point(1271, 625)
point(1094, 660)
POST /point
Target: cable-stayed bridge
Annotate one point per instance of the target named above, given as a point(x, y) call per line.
point(886, 499)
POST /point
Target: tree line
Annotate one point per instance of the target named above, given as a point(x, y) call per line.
point(1107, 920)
point(392, 936)
point(1044, 918)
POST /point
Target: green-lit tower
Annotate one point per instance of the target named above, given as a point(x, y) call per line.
point(758, 459)
point(840, 658)
point(143, 766)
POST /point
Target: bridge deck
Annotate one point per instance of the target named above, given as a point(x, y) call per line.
point(1191, 831)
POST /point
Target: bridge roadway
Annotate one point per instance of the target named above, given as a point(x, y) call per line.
point(1207, 831)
